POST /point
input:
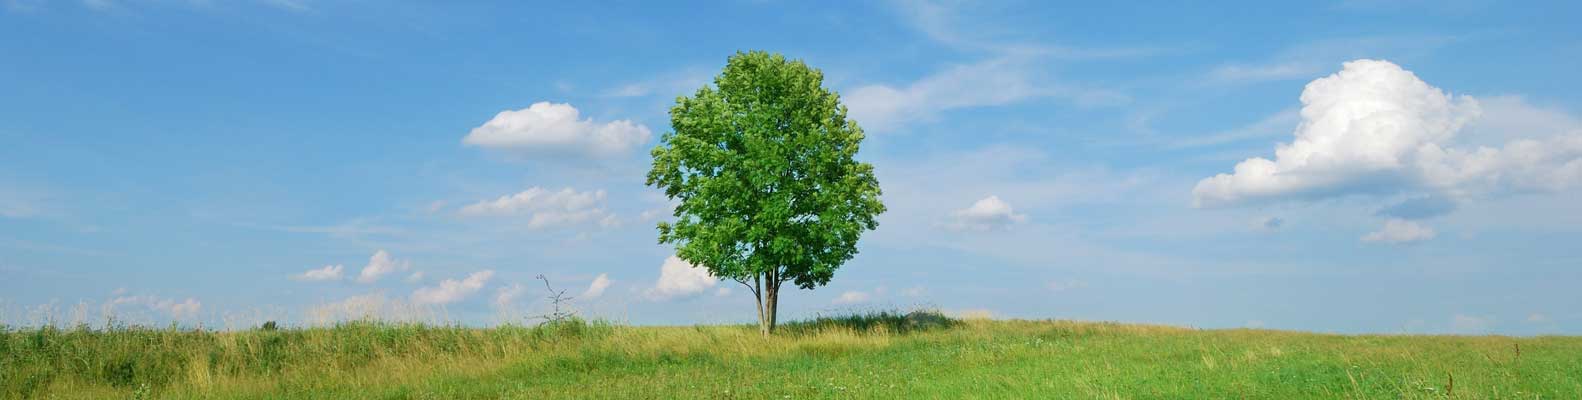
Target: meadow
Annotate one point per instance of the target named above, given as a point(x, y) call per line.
point(880, 355)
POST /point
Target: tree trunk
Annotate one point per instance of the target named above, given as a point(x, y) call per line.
point(768, 303)
point(773, 306)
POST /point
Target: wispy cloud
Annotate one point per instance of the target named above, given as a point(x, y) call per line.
point(547, 209)
point(1400, 231)
point(1273, 126)
point(679, 82)
point(452, 290)
point(327, 273)
point(946, 23)
point(1307, 60)
point(994, 82)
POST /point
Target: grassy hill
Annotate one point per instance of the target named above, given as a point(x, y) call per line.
point(874, 356)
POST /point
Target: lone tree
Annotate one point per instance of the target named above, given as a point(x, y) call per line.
point(762, 166)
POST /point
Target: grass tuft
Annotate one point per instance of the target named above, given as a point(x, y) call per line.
point(880, 322)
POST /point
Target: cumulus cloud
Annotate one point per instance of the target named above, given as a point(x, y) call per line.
point(1376, 129)
point(596, 288)
point(546, 209)
point(852, 297)
point(505, 296)
point(379, 265)
point(988, 213)
point(1400, 231)
point(328, 273)
point(677, 279)
point(556, 129)
point(451, 290)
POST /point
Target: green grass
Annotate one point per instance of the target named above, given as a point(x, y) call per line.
point(882, 355)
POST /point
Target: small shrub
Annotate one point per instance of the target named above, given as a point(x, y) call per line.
point(269, 326)
point(874, 322)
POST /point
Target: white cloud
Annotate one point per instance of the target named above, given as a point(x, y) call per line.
point(1269, 126)
point(596, 288)
point(379, 265)
point(881, 108)
point(1376, 129)
point(675, 83)
point(1538, 318)
point(1264, 72)
point(451, 290)
point(1400, 231)
point(1470, 324)
point(547, 209)
point(677, 278)
point(505, 296)
point(328, 273)
point(1308, 59)
point(852, 297)
point(182, 309)
point(988, 213)
point(415, 277)
point(555, 129)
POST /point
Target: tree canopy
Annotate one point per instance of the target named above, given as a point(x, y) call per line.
point(763, 167)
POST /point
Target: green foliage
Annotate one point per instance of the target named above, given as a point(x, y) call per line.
point(875, 322)
point(763, 167)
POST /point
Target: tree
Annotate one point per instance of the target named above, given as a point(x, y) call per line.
point(762, 166)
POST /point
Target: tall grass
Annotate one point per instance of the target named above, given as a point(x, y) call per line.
point(872, 355)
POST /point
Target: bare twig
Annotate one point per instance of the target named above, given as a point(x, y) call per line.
point(556, 299)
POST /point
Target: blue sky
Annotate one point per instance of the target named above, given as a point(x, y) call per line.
point(1343, 167)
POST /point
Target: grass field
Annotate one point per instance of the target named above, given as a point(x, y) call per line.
point(873, 356)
